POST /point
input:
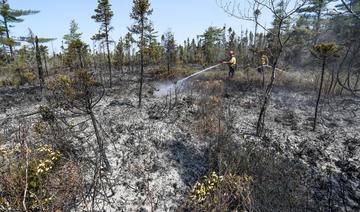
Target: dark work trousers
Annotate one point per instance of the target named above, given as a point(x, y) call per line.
point(232, 69)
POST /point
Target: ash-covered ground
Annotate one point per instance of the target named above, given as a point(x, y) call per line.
point(157, 152)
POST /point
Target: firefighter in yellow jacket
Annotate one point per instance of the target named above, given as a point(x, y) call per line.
point(263, 61)
point(232, 64)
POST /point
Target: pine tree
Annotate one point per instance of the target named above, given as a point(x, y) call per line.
point(314, 11)
point(140, 13)
point(231, 44)
point(103, 15)
point(211, 37)
point(181, 54)
point(11, 16)
point(350, 7)
point(77, 51)
point(73, 34)
point(119, 55)
point(3, 49)
point(169, 46)
point(192, 49)
point(44, 52)
point(76, 48)
point(152, 48)
point(128, 42)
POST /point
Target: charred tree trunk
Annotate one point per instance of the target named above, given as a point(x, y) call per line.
point(260, 126)
point(141, 61)
point(39, 63)
point(45, 63)
point(7, 32)
point(168, 65)
point(357, 81)
point(263, 77)
point(108, 58)
point(80, 58)
point(319, 93)
point(331, 82)
point(99, 141)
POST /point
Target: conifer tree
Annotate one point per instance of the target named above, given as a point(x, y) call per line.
point(209, 40)
point(140, 13)
point(192, 49)
point(152, 48)
point(73, 34)
point(170, 49)
point(11, 16)
point(128, 42)
point(44, 52)
point(104, 15)
point(119, 55)
point(314, 11)
point(76, 48)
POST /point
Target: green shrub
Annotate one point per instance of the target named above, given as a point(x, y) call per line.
point(36, 179)
point(221, 193)
point(279, 183)
point(28, 77)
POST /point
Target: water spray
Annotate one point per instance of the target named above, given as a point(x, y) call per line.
point(195, 74)
point(164, 89)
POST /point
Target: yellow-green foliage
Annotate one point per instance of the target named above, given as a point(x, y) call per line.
point(50, 156)
point(202, 190)
point(65, 79)
point(28, 76)
point(324, 50)
point(39, 163)
point(17, 73)
point(221, 193)
point(48, 183)
point(15, 82)
point(5, 82)
point(82, 77)
point(80, 91)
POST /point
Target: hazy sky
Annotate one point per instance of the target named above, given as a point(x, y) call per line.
point(186, 18)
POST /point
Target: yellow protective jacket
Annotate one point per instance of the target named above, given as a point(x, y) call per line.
point(264, 60)
point(233, 61)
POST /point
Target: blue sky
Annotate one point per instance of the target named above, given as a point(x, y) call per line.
point(186, 18)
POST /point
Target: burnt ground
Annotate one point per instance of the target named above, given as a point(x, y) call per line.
point(156, 153)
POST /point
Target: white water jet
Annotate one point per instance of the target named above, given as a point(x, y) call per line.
point(164, 89)
point(170, 87)
point(197, 73)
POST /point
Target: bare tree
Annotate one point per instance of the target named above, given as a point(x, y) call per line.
point(282, 10)
point(350, 9)
point(81, 94)
point(349, 77)
point(39, 63)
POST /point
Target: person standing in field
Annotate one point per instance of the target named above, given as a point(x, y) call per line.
point(263, 62)
point(232, 64)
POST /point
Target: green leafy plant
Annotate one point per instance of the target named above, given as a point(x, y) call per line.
point(32, 179)
point(221, 193)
